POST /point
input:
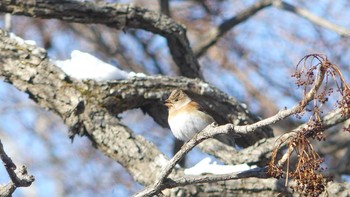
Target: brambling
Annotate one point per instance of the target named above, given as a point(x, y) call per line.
point(186, 116)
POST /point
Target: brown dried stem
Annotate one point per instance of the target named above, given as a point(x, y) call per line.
point(307, 169)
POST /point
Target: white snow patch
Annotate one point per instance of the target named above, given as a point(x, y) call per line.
point(21, 41)
point(30, 42)
point(133, 74)
point(86, 66)
point(205, 166)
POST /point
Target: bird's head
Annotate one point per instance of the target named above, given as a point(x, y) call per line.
point(177, 99)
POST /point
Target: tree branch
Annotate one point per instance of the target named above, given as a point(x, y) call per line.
point(213, 35)
point(28, 68)
point(311, 17)
point(189, 180)
point(119, 16)
point(260, 153)
point(209, 39)
point(210, 131)
point(19, 177)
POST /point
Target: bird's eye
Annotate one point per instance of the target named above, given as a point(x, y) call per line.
point(176, 99)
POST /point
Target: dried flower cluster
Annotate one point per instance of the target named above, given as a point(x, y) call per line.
point(344, 102)
point(307, 171)
point(307, 174)
point(313, 74)
point(314, 130)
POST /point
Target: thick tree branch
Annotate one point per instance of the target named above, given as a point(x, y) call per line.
point(210, 131)
point(89, 108)
point(266, 147)
point(28, 68)
point(250, 187)
point(189, 180)
point(149, 93)
point(119, 16)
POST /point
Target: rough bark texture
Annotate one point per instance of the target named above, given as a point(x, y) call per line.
point(77, 104)
point(119, 16)
point(224, 109)
point(90, 109)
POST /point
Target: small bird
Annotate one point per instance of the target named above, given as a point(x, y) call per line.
point(186, 116)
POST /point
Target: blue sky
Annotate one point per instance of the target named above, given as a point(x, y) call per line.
point(267, 36)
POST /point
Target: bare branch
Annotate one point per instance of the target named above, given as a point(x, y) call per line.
point(312, 17)
point(250, 187)
point(282, 114)
point(188, 180)
point(213, 35)
point(260, 152)
point(76, 104)
point(119, 16)
point(164, 7)
point(211, 131)
point(19, 177)
point(28, 68)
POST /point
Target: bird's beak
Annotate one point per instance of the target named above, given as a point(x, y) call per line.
point(167, 103)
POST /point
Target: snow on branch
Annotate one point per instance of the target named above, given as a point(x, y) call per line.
point(84, 66)
point(119, 16)
point(309, 180)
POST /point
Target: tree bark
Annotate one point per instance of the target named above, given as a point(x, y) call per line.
point(89, 108)
point(119, 16)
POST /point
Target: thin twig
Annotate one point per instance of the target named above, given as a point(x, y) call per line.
point(201, 136)
point(311, 17)
point(213, 130)
point(282, 114)
point(19, 177)
point(214, 34)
